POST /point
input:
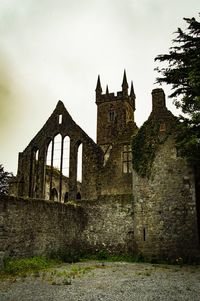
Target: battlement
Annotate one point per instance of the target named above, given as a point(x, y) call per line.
point(124, 94)
point(106, 97)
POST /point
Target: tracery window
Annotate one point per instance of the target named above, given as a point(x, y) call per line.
point(57, 166)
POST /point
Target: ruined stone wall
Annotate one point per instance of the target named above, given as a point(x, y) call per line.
point(112, 177)
point(28, 178)
point(37, 227)
point(165, 219)
point(109, 224)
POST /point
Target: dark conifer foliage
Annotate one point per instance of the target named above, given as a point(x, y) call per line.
point(183, 73)
point(5, 178)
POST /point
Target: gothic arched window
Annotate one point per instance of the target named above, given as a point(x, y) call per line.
point(79, 162)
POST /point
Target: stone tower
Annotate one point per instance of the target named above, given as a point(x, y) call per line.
point(115, 113)
point(115, 128)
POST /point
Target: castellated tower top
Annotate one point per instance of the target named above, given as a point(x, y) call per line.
point(115, 113)
point(121, 95)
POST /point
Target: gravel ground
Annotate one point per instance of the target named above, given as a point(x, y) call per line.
point(94, 281)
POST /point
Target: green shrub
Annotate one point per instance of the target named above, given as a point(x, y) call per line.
point(17, 266)
point(102, 255)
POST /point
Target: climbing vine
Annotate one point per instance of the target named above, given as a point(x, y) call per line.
point(145, 145)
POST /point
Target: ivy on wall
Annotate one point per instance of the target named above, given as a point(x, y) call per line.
point(145, 145)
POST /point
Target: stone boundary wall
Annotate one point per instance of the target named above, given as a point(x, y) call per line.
point(109, 225)
point(37, 227)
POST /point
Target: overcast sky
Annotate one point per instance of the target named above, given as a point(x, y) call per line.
point(55, 49)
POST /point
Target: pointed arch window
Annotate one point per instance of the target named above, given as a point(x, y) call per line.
point(57, 166)
point(48, 171)
point(57, 152)
point(34, 173)
point(49, 154)
point(53, 168)
point(66, 156)
point(79, 162)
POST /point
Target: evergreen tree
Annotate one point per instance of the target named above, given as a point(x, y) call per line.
point(5, 178)
point(183, 73)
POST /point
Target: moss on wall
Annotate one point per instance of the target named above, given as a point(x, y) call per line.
point(146, 143)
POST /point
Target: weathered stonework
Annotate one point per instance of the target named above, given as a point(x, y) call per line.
point(37, 227)
point(165, 215)
point(31, 174)
point(109, 225)
point(106, 166)
point(150, 211)
point(115, 128)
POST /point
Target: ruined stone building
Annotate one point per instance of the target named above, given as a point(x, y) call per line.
point(149, 208)
point(48, 167)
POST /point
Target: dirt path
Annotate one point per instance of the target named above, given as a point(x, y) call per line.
point(94, 281)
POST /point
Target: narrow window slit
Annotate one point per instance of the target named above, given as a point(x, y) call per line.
point(144, 234)
point(60, 119)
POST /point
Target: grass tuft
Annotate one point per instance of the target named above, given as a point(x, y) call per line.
point(23, 266)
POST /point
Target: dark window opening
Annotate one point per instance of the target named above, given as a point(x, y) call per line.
point(127, 159)
point(36, 192)
point(54, 195)
point(144, 234)
point(66, 197)
point(78, 196)
point(112, 114)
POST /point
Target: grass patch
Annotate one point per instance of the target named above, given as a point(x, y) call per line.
point(27, 265)
point(65, 277)
point(76, 271)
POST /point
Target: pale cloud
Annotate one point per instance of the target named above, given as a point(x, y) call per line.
point(53, 50)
